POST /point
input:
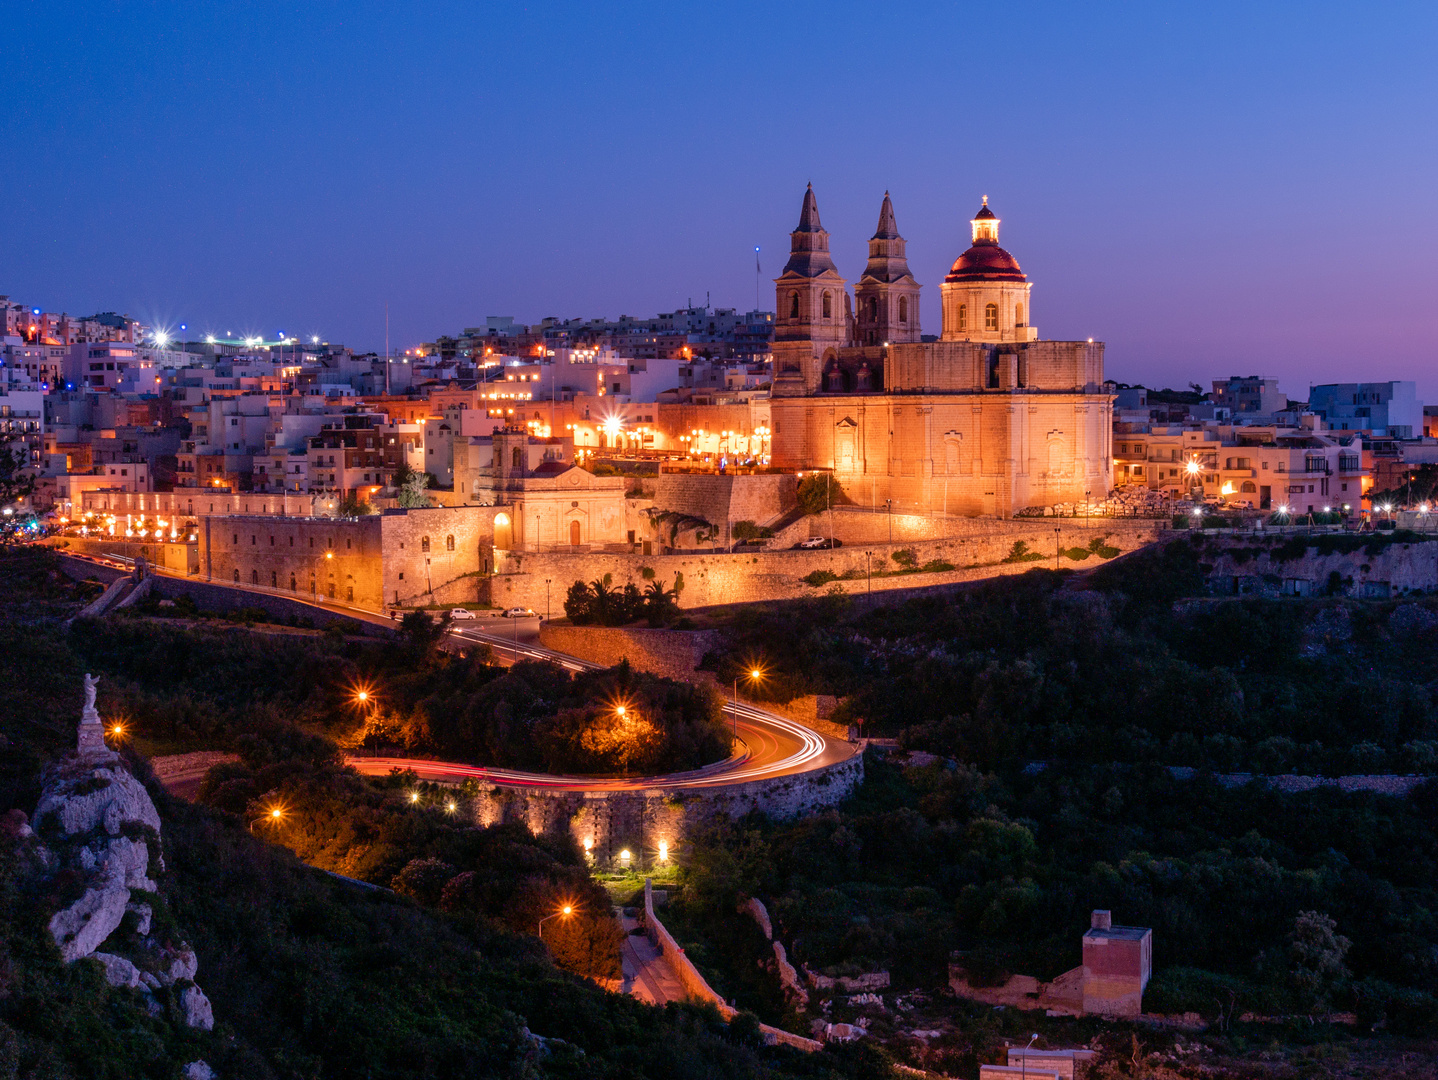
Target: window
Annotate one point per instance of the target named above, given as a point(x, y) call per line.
point(1018, 314)
point(349, 544)
point(1248, 487)
point(828, 305)
point(903, 309)
point(793, 305)
point(963, 316)
point(991, 317)
point(274, 579)
point(424, 543)
point(517, 460)
point(874, 308)
point(234, 539)
point(237, 575)
point(449, 542)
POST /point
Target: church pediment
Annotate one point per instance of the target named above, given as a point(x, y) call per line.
point(846, 424)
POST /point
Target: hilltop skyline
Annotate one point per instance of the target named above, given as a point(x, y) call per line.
point(1208, 194)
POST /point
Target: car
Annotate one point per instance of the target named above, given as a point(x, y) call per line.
point(518, 613)
point(815, 542)
point(462, 613)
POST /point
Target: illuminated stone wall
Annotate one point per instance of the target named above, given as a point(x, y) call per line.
point(609, 823)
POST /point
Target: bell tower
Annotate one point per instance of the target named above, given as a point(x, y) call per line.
point(887, 295)
point(811, 305)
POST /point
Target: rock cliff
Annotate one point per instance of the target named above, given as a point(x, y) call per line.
point(96, 824)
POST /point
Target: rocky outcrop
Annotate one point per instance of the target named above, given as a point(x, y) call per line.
point(102, 825)
point(197, 1070)
point(80, 928)
point(755, 909)
point(195, 1008)
point(789, 978)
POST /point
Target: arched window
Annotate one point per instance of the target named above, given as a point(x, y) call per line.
point(963, 316)
point(274, 579)
point(1248, 487)
point(828, 305)
point(254, 577)
point(237, 575)
point(874, 308)
point(517, 458)
point(449, 542)
point(904, 309)
point(991, 317)
point(424, 543)
point(1018, 314)
point(793, 305)
point(292, 583)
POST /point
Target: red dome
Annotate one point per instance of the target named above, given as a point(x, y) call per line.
point(986, 261)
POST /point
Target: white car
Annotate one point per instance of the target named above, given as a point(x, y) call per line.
point(462, 613)
point(518, 613)
point(812, 542)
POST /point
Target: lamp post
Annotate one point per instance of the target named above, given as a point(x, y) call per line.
point(565, 911)
point(754, 675)
point(275, 814)
point(890, 504)
point(1057, 530)
point(1024, 1057)
point(546, 599)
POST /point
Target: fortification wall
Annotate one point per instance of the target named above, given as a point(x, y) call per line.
point(744, 577)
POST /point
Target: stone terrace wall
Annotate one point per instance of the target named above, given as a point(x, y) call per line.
point(1395, 569)
point(714, 579)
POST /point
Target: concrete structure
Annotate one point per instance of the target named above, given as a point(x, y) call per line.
point(1387, 408)
point(1117, 964)
point(1252, 394)
point(987, 420)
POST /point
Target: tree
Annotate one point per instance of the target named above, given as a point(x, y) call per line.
point(16, 481)
point(819, 491)
point(354, 506)
point(660, 604)
point(411, 486)
point(422, 631)
point(1317, 954)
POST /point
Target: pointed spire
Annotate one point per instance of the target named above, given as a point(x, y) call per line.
point(888, 228)
point(809, 215)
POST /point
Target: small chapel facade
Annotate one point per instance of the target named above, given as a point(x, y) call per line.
point(987, 420)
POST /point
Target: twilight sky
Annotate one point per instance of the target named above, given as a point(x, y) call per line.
point(1211, 189)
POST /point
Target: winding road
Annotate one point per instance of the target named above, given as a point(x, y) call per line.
point(769, 745)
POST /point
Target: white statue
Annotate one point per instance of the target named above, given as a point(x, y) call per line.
point(91, 733)
point(91, 682)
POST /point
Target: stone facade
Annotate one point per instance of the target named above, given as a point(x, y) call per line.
point(722, 499)
point(398, 557)
point(986, 421)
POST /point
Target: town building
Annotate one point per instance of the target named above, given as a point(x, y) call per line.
point(1384, 409)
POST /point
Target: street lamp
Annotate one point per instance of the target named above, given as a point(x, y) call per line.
point(565, 911)
point(1057, 530)
point(546, 599)
point(1024, 1058)
point(753, 675)
point(274, 815)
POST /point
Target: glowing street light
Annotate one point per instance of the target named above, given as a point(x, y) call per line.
point(274, 815)
point(564, 912)
point(664, 851)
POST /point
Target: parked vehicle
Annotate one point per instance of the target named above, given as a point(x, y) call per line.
point(462, 613)
point(518, 613)
point(820, 542)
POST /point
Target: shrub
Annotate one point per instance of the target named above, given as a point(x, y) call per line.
point(906, 559)
point(1020, 553)
point(819, 577)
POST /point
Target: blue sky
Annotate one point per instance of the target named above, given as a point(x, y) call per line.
point(1211, 189)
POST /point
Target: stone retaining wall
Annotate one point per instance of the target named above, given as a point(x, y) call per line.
point(744, 577)
point(608, 823)
point(671, 653)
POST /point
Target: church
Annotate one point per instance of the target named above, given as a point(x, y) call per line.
point(986, 420)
